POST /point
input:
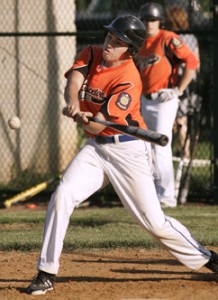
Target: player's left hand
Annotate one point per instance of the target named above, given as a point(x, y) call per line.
point(78, 116)
point(82, 117)
point(168, 94)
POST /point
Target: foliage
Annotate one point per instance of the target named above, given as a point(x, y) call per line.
point(82, 4)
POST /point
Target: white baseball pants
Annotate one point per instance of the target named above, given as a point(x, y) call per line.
point(160, 117)
point(127, 166)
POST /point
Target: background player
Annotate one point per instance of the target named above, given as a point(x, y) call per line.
point(106, 83)
point(158, 62)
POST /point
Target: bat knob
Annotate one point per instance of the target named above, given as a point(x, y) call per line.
point(164, 140)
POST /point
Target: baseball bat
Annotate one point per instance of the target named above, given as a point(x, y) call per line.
point(146, 135)
point(29, 193)
point(179, 170)
point(183, 194)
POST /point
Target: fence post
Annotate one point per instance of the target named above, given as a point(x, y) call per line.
point(215, 100)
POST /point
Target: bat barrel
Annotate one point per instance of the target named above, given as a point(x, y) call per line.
point(146, 135)
point(150, 136)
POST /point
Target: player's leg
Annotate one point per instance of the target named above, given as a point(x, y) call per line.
point(138, 194)
point(160, 117)
point(82, 178)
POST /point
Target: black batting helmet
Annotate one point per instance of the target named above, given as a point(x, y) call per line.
point(130, 29)
point(151, 11)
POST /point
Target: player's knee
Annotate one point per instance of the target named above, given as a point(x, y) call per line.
point(63, 199)
point(157, 228)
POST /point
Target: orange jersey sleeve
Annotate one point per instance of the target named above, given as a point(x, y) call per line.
point(113, 91)
point(159, 59)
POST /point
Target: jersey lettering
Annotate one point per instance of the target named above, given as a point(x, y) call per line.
point(149, 61)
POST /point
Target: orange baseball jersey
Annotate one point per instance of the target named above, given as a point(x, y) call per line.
point(115, 91)
point(159, 59)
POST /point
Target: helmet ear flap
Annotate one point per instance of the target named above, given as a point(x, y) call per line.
point(162, 24)
point(132, 51)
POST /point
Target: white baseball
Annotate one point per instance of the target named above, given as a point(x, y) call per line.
point(14, 123)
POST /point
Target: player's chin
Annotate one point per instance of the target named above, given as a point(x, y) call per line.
point(106, 55)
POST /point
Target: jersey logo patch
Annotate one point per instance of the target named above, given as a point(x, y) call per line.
point(123, 101)
point(150, 60)
point(177, 43)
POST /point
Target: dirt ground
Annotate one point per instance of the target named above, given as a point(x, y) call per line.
point(119, 274)
point(109, 275)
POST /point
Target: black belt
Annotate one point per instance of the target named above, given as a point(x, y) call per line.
point(99, 139)
point(151, 96)
point(148, 96)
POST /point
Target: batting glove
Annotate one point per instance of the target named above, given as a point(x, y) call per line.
point(168, 94)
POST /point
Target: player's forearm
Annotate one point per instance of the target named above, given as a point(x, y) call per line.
point(72, 102)
point(95, 128)
point(72, 89)
point(186, 79)
point(71, 93)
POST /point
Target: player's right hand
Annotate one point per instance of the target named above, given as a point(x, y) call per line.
point(78, 116)
point(82, 117)
point(168, 94)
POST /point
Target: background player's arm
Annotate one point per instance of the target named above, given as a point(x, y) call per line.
point(188, 73)
point(191, 61)
point(179, 51)
point(185, 80)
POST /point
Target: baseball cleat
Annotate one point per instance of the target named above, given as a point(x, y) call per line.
point(42, 283)
point(213, 262)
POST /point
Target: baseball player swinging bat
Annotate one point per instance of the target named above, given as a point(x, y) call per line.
point(146, 135)
point(29, 193)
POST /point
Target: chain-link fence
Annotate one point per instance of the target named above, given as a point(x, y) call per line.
point(38, 43)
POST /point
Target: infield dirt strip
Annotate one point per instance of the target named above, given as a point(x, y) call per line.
point(118, 274)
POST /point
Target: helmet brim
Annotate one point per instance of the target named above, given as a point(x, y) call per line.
point(118, 34)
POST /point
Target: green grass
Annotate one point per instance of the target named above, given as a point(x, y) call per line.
point(98, 228)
